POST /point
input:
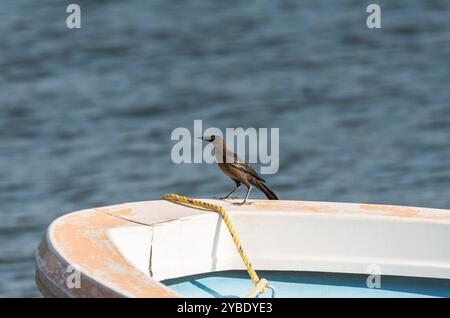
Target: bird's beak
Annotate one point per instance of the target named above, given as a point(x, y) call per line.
point(202, 138)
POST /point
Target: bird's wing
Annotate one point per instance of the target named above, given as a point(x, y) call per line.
point(246, 168)
point(234, 161)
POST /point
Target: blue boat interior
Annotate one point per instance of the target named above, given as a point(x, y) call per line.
point(290, 284)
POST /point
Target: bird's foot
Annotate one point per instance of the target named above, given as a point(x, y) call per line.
point(220, 198)
point(243, 203)
point(224, 198)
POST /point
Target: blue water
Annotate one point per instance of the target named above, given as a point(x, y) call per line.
point(86, 115)
point(308, 284)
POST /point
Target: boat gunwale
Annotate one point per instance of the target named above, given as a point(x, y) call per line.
point(94, 284)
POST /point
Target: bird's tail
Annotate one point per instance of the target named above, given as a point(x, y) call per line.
point(269, 193)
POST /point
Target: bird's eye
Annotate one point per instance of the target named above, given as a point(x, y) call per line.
point(213, 137)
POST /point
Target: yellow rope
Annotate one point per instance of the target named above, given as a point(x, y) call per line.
point(260, 284)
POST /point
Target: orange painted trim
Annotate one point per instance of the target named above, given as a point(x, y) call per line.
point(80, 239)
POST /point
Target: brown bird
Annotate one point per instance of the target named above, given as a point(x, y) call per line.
point(238, 170)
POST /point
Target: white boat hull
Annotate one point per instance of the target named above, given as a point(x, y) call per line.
point(125, 250)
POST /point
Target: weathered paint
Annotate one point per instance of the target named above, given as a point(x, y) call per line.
point(80, 239)
point(402, 211)
point(337, 207)
point(119, 210)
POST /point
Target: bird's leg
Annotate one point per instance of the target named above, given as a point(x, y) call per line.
point(238, 185)
point(246, 197)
